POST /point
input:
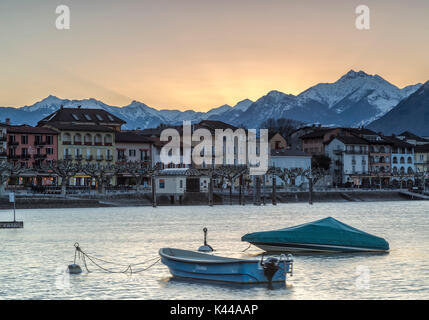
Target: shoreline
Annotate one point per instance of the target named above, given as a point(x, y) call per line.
point(136, 200)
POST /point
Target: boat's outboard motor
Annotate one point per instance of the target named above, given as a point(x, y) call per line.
point(271, 266)
point(206, 247)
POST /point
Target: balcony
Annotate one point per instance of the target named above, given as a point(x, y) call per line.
point(98, 143)
point(39, 143)
point(109, 158)
point(13, 143)
point(66, 142)
point(79, 157)
point(108, 144)
point(68, 157)
point(100, 158)
point(25, 157)
point(89, 158)
point(3, 154)
point(88, 143)
point(77, 143)
point(40, 156)
point(355, 152)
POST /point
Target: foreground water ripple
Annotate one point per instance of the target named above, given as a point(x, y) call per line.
point(33, 260)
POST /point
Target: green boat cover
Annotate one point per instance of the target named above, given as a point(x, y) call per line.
point(328, 231)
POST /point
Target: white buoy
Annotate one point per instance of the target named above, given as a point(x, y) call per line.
point(74, 269)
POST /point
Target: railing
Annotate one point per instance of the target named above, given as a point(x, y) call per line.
point(99, 158)
point(68, 157)
point(66, 142)
point(13, 143)
point(39, 156)
point(109, 158)
point(39, 143)
point(25, 156)
point(89, 158)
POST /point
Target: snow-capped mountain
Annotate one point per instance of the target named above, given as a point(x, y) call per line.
point(355, 99)
point(411, 114)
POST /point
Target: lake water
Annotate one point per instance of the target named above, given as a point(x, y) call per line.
point(33, 259)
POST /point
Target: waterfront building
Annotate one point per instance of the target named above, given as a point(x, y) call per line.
point(421, 158)
point(314, 142)
point(289, 159)
point(349, 159)
point(132, 147)
point(32, 148)
point(379, 161)
point(84, 135)
point(276, 141)
point(402, 162)
point(175, 182)
point(3, 139)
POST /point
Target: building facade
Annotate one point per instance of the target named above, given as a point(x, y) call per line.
point(349, 160)
point(32, 148)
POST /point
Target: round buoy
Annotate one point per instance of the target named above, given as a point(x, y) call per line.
point(74, 269)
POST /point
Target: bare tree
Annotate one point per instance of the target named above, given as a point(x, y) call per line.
point(231, 173)
point(102, 173)
point(64, 169)
point(139, 170)
point(8, 169)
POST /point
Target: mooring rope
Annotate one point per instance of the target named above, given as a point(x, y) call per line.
point(129, 267)
point(247, 248)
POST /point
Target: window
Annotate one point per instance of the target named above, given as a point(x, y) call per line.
point(181, 184)
point(49, 140)
point(49, 151)
point(161, 183)
point(75, 116)
point(99, 117)
point(110, 117)
point(24, 151)
point(132, 152)
point(87, 117)
point(24, 139)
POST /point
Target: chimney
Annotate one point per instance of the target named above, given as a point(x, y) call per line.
point(79, 107)
point(8, 121)
point(62, 107)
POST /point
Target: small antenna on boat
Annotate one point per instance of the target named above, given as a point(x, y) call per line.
point(206, 247)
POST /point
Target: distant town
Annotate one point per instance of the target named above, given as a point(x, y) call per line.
point(78, 150)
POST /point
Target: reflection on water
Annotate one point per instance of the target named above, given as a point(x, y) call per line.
point(33, 260)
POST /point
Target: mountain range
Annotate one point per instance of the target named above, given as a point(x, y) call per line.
point(355, 99)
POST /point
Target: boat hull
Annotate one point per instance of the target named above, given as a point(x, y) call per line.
point(303, 248)
point(240, 271)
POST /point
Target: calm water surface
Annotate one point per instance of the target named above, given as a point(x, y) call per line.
point(33, 259)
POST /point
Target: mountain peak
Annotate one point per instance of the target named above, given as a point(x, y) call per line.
point(353, 75)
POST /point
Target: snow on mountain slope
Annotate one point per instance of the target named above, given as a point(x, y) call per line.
point(355, 86)
point(355, 99)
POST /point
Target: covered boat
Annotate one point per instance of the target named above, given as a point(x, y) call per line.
point(201, 266)
point(325, 235)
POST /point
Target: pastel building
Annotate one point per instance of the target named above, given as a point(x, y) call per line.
point(32, 148)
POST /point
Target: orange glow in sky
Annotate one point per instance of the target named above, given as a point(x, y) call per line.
point(199, 54)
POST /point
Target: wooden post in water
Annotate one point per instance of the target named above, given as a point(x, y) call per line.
point(257, 201)
point(240, 191)
point(211, 191)
point(310, 189)
point(274, 196)
point(153, 192)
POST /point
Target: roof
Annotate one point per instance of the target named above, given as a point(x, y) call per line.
point(29, 129)
point(82, 115)
point(289, 153)
point(358, 131)
point(351, 140)
point(410, 135)
point(211, 124)
point(318, 133)
point(271, 134)
point(398, 142)
point(125, 136)
point(179, 172)
point(80, 127)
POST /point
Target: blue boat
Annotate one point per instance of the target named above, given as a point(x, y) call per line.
point(201, 266)
point(325, 235)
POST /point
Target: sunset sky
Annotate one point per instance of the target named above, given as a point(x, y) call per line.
point(200, 54)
